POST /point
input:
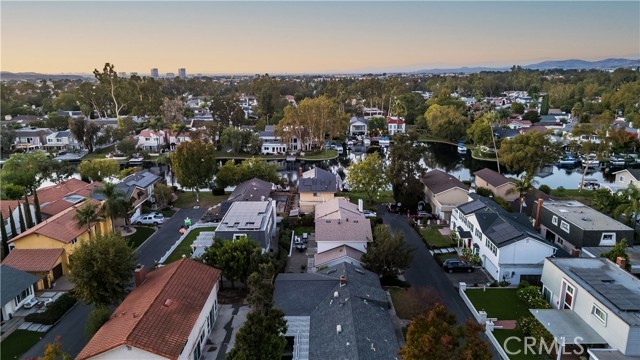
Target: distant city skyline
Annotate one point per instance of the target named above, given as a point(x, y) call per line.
point(211, 37)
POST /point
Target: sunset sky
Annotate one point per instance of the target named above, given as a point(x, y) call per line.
point(304, 36)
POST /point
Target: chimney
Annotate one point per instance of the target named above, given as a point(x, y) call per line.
point(338, 329)
point(538, 208)
point(575, 252)
point(343, 280)
point(300, 171)
point(360, 205)
point(140, 274)
point(622, 262)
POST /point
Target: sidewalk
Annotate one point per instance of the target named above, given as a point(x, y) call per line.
point(230, 320)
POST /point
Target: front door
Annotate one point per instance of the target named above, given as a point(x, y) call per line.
point(57, 271)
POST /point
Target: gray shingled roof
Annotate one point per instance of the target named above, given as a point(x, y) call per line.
point(317, 180)
point(14, 282)
point(251, 190)
point(141, 179)
point(361, 309)
point(438, 181)
point(492, 177)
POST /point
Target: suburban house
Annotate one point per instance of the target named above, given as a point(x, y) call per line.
point(56, 198)
point(336, 313)
point(138, 187)
point(151, 140)
point(596, 300)
point(44, 249)
point(395, 125)
point(271, 143)
point(341, 232)
point(250, 190)
point(499, 184)
point(255, 219)
point(443, 192)
point(31, 138)
point(372, 112)
point(518, 124)
point(626, 177)
point(507, 243)
point(573, 225)
point(169, 315)
point(62, 140)
point(175, 139)
point(17, 288)
point(10, 208)
point(358, 126)
point(315, 187)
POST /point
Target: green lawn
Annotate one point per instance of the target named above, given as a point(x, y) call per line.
point(234, 155)
point(299, 230)
point(320, 155)
point(18, 343)
point(514, 345)
point(185, 246)
point(402, 307)
point(435, 240)
point(584, 196)
point(142, 233)
point(503, 304)
point(99, 154)
point(382, 197)
point(187, 199)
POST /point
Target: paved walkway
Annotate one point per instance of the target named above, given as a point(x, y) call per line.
point(506, 324)
point(230, 320)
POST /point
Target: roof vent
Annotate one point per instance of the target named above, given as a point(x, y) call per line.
point(167, 303)
point(586, 219)
point(338, 329)
point(335, 294)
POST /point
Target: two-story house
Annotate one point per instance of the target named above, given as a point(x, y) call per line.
point(573, 225)
point(395, 125)
point(358, 126)
point(271, 143)
point(626, 177)
point(169, 315)
point(17, 288)
point(499, 184)
point(316, 186)
point(56, 198)
point(254, 219)
point(507, 243)
point(152, 140)
point(31, 138)
point(138, 188)
point(62, 140)
point(443, 192)
point(596, 300)
point(9, 209)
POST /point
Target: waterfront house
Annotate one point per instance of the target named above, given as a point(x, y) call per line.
point(395, 124)
point(499, 184)
point(62, 140)
point(151, 140)
point(358, 126)
point(316, 186)
point(31, 138)
point(254, 219)
point(443, 192)
point(623, 178)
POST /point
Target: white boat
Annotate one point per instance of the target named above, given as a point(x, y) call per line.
point(384, 141)
point(136, 160)
point(340, 149)
point(116, 156)
point(349, 143)
point(617, 161)
point(366, 142)
point(590, 160)
point(462, 149)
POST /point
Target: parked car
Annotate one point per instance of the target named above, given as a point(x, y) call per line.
point(369, 213)
point(150, 219)
point(456, 265)
point(30, 303)
point(46, 301)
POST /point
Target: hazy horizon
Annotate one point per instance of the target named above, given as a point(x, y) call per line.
point(309, 37)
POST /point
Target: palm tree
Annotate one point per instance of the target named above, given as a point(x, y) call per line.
point(630, 205)
point(114, 199)
point(522, 186)
point(87, 215)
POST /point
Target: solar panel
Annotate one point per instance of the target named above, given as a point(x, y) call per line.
point(504, 232)
point(623, 298)
point(472, 207)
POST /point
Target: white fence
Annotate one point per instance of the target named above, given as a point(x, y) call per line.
point(177, 243)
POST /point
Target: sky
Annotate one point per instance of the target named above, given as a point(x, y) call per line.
point(309, 37)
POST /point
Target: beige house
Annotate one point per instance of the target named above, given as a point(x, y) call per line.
point(443, 192)
point(315, 187)
point(626, 177)
point(499, 184)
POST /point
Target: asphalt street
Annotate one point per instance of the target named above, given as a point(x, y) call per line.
point(71, 326)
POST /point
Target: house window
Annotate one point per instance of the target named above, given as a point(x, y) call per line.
point(621, 178)
point(608, 239)
point(547, 294)
point(478, 234)
point(59, 140)
point(316, 194)
point(554, 220)
point(238, 236)
point(599, 314)
point(564, 226)
point(147, 139)
point(74, 241)
point(569, 295)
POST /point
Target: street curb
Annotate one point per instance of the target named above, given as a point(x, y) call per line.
point(157, 228)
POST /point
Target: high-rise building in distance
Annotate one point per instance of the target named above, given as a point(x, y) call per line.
point(182, 72)
point(154, 73)
point(170, 75)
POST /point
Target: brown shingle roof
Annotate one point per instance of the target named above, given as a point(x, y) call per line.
point(439, 181)
point(492, 177)
point(62, 227)
point(342, 230)
point(337, 208)
point(336, 253)
point(148, 321)
point(33, 260)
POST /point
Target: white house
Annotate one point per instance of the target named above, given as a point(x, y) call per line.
point(271, 143)
point(31, 138)
point(358, 126)
point(10, 208)
point(507, 244)
point(595, 299)
point(626, 177)
point(175, 139)
point(169, 315)
point(17, 289)
point(395, 125)
point(62, 140)
point(151, 140)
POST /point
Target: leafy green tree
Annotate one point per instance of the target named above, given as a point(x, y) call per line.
point(446, 122)
point(97, 317)
point(473, 347)
point(531, 115)
point(604, 201)
point(433, 336)
point(388, 254)
point(98, 169)
point(311, 121)
point(619, 250)
point(404, 170)
point(11, 191)
point(239, 140)
point(234, 258)
point(117, 88)
point(101, 270)
point(194, 163)
point(78, 127)
point(53, 351)
point(162, 194)
point(544, 106)
point(226, 109)
point(480, 132)
point(113, 205)
point(529, 151)
point(57, 122)
point(230, 174)
point(629, 206)
point(87, 215)
point(522, 186)
point(517, 108)
point(377, 125)
point(5, 238)
point(7, 139)
point(368, 176)
point(127, 146)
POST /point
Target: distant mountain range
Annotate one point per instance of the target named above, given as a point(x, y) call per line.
point(611, 63)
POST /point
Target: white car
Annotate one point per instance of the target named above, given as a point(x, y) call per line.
point(369, 213)
point(30, 303)
point(150, 219)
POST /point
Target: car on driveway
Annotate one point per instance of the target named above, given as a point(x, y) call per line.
point(369, 213)
point(456, 265)
point(30, 303)
point(150, 219)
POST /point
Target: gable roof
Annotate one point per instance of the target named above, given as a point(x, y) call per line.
point(56, 198)
point(343, 230)
point(317, 180)
point(338, 208)
point(337, 253)
point(33, 260)
point(251, 190)
point(5, 205)
point(492, 177)
point(360, 309)
point(438, 181)
point(141, 179)
point(62, 226)
point(158, 315)
point(13, 283)
point(394, 120)
point(634, 172)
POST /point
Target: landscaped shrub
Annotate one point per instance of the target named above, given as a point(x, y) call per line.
point(545, 189)
point(523, 284)
point(530, 326)
point(54, 311)
point(532, 296)
point(484, 192)
point(375, 221)
point(503, 203)
point(472, 258)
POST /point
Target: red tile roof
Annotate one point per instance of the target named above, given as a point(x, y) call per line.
point(62, 227)
point(159, 315)
point(52, 198)
point(391, 120)
point(33, 260)
point(5, 205)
